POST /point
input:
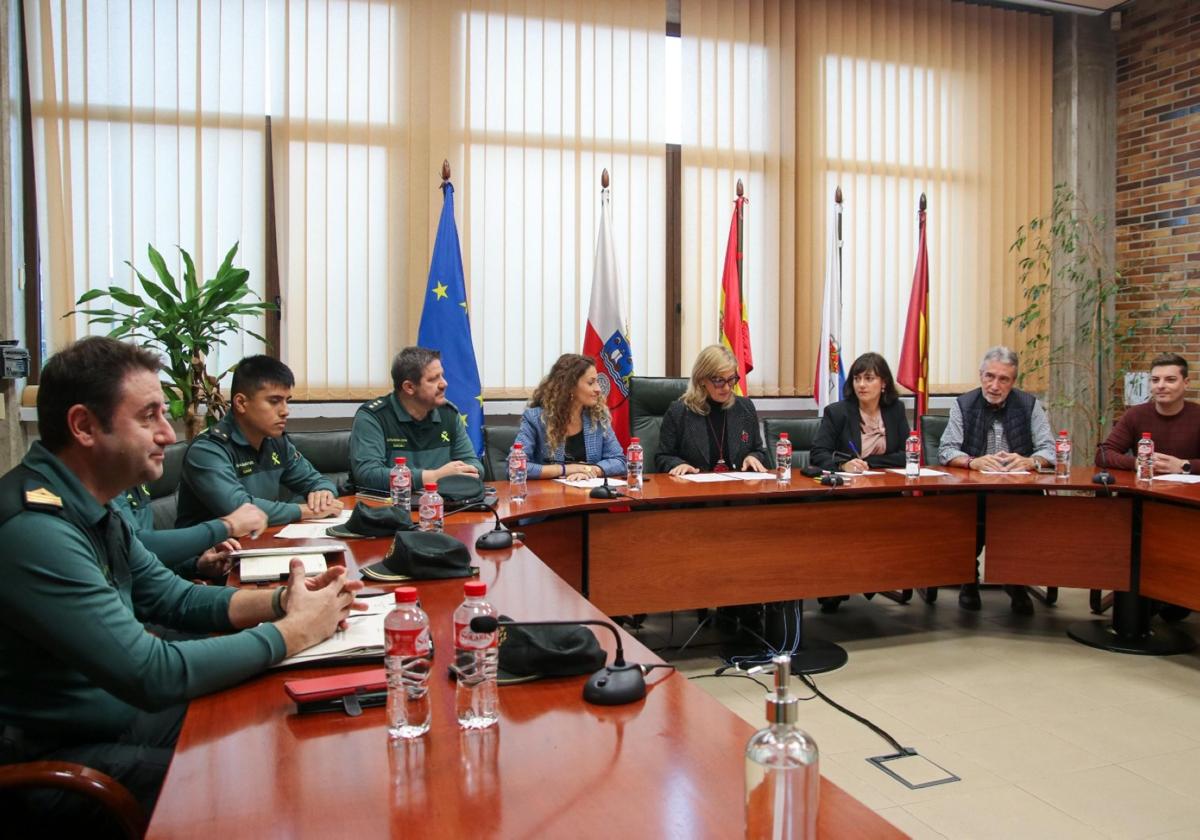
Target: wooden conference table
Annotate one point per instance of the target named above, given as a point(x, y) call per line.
point(670, 766)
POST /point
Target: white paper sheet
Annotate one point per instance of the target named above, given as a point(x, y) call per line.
point(925, 472)
point(707, 478)
point(322, 548)
point(363, 636)
point(1005, 472)
point(592, 482)
point(749, 475)
point(266, 568)
point(1179, 478)
point(864, 472)
point(341, 518)
point(306, 530)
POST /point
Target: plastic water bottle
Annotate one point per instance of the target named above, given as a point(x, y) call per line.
point(912, 456)
point(1062, 456)
point(518, 473)
point(1145, 458)
point(783, 779)
point(475, 658)
point(433, 510)
point(400, 483)
point(408, 661)
point(783, 459)
point(635, 459)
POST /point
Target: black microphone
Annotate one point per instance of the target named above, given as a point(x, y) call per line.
point(604, 491)
point(495, 539)
point(1103, 477)
point(612, 685)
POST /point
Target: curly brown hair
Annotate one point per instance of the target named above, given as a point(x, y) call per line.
point(553, 395)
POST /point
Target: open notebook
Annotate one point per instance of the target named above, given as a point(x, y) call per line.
point(263, 568)
point(361, 640)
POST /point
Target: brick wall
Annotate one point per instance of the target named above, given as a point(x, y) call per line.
point(1158, 177)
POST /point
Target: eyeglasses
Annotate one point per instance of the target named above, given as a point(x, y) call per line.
point(721, 382)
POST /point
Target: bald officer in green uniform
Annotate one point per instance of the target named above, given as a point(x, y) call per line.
point(199, 551)
point(246, 457)
point(415, 421)
point(81, 679)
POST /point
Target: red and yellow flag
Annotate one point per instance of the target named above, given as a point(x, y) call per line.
point(913, 372)
point(735, 325)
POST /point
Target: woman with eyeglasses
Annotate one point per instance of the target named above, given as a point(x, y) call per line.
point(566, 431)
point(710, 428)
point(867, 428)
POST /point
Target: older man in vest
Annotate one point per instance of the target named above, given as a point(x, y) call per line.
point(997, 428)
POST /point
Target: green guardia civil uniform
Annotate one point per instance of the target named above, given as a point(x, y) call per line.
point(222, 471)
point(76, 664)
point(177, 548)
point(383, 431)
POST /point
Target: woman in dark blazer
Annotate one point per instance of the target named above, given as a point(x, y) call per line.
point(709, 428)
point(867, 429)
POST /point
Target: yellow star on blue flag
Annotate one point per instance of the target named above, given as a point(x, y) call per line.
point(448, 328)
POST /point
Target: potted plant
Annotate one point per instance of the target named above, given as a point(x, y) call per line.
point(185, 322)
point(1075, 339)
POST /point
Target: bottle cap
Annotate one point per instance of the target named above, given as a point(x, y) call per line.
point(474, 588)
point(783, 436)
point(632, 441)
point(401, 460)
point(1063, 432)
point(782, 705)
point(430, 487)
point(518, 446)
point(1145, 434)
point(406, 595)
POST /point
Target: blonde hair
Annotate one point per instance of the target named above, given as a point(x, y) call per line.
point(553, 395)
point(712, 360)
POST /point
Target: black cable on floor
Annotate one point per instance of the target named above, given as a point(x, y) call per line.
point(808, 680)
point(762, 684)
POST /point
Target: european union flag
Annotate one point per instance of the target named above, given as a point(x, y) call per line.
point(445, 325)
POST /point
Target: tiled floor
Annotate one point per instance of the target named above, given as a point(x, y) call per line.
point(1051, 738)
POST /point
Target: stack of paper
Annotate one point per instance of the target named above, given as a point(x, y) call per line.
point(592, 482)
point(925, 472)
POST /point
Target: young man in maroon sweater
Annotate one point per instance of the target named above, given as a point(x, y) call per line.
point(1172, 421)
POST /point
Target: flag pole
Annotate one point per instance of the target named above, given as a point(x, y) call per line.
point(837, 199)
point(922, 204)
point(740, 193)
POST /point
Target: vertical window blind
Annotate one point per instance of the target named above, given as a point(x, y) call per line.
point(888, 99)
point(149, 127)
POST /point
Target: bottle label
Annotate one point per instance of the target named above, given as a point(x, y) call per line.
point(465, 637)
point(413, 642)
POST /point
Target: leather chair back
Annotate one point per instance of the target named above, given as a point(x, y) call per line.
point(497, 442)
point(932, 426)
point(649, 398)
point(801, 431)
point(329, 453)
point(162, 491)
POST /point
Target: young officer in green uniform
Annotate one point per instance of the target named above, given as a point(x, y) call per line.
point(246, 457)
point(81, 679)
point(199, 551)
point(415, 421)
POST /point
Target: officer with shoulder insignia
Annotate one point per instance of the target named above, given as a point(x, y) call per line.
point(81, 679)
point(415, 421)
point(246, 457)
point(199, 551)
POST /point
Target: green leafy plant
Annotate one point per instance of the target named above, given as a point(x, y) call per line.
point(185, 322)
point(1067, 279)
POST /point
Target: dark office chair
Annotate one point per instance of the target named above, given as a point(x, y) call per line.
point(162, 490)
point(800, 431)
point(329, 453)
point(649, 398)
point(497, 443)
point(125, 814)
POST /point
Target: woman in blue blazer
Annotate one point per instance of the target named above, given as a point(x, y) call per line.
point(566, 431)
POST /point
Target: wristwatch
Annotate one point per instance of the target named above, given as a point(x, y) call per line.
point(1187, 467)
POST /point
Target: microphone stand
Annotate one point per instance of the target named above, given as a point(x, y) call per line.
point(612, 685)
point(496, 539)
point(604, 491)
